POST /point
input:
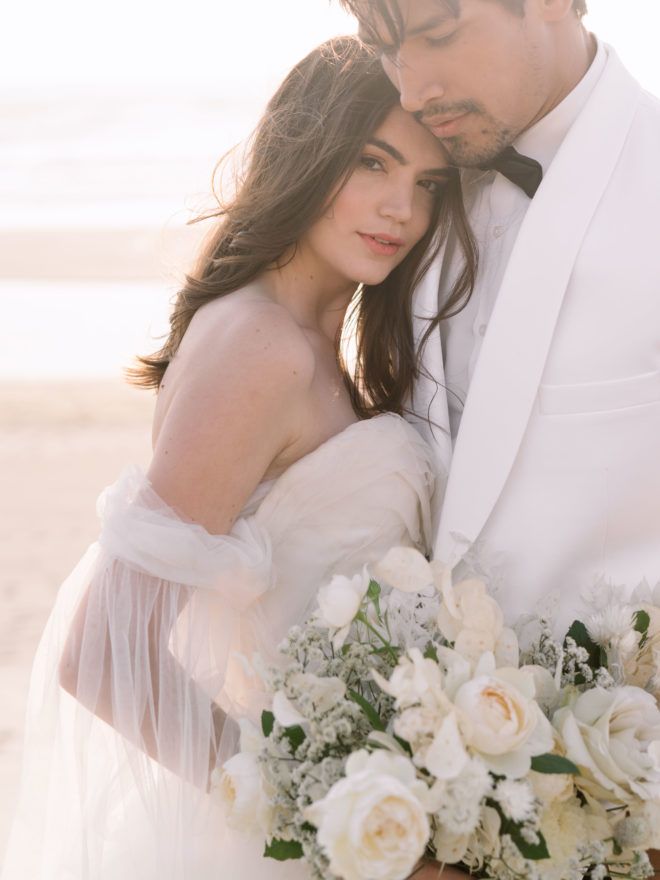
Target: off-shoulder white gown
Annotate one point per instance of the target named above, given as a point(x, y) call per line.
point(93, 806)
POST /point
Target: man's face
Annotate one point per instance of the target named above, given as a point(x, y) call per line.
point(476, 80)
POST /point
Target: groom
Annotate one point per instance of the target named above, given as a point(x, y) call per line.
point(544, 391)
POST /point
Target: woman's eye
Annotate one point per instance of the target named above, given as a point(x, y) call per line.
point(431, 186)
point(371, 163)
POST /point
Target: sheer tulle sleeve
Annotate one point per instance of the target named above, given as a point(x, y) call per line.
point(128, 704)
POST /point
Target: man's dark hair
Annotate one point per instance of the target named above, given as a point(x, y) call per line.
point(389, 13)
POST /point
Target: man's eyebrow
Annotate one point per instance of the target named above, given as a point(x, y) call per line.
point(370, 37)
point(433, 21)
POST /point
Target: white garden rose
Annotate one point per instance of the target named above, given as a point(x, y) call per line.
point(614, 738)
point(372, 824)
point(507, 728)
point(243, 794)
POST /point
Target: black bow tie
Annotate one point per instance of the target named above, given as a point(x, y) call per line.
point(521, 170)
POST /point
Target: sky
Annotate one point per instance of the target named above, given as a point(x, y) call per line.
point(227, 43)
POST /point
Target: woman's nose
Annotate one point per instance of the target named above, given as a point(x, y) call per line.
point(398, 203)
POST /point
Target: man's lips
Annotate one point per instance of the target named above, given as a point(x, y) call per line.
point(445, 126)
point(379, 243)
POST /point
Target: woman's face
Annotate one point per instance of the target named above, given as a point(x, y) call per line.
point(384, 208)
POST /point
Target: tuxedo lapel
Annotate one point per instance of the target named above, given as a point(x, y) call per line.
point(514, 351)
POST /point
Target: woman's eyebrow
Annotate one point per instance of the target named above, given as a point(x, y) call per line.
point(444, 170)
point(388, 148)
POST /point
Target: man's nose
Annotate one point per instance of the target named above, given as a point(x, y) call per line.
point(417, 86)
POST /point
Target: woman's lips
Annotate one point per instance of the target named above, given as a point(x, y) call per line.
point(383, 245)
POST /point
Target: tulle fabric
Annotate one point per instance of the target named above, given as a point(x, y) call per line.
point(148, 658)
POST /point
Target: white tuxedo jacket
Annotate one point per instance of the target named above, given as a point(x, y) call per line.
point(556, 467)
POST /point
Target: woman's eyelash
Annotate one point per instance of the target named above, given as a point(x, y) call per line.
point(371, 162)
point(431, 186)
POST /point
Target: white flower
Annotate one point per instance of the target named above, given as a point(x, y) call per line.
point(415, 680)
point(485, 842)
point(449, 847)
point(545, 687)
point(612, 624)
point(242, 793)
point(507, 725)
point(457, 803)
point(614, 738)
point(285, 712)
point(324, 692)
point(445, 756)
point(566, 826)
point(405, 569)
point(372, 825)
point(473, 621)
point(648, 816)
point(516, 798)
point(339, 602)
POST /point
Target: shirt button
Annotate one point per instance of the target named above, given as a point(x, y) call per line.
point(498, 231)
point(482, 329)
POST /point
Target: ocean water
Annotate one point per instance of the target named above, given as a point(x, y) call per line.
point(95, 190)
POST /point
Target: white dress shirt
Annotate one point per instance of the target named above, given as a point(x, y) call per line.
point(496, 208)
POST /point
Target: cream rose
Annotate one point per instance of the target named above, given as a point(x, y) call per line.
point(506, 726)
point(242, 793)
point(372, 824)
point(614, 738)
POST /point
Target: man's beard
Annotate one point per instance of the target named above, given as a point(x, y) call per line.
point(470, 151)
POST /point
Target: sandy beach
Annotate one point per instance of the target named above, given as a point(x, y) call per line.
point(60, 445)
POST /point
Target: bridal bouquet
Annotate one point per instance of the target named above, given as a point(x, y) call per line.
point(408, 725)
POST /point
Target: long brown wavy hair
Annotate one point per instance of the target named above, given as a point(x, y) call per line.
point(306, 145)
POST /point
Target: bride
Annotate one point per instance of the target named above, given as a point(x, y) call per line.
point(275, 465)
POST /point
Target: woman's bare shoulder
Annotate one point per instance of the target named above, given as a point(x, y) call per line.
point(247, 334)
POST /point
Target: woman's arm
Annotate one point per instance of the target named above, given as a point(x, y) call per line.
point(232, 408)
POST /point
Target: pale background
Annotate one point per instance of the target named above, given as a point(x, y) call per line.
point(112, 117)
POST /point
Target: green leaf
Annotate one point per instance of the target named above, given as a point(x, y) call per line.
point(534, 851)
point(283, 849)
point(554, 764)
point(373, 594)
point(431, 653)
point(578, 632)
point(267, 722)
point(642, 621)
point(296, 735)
point(373, 716)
